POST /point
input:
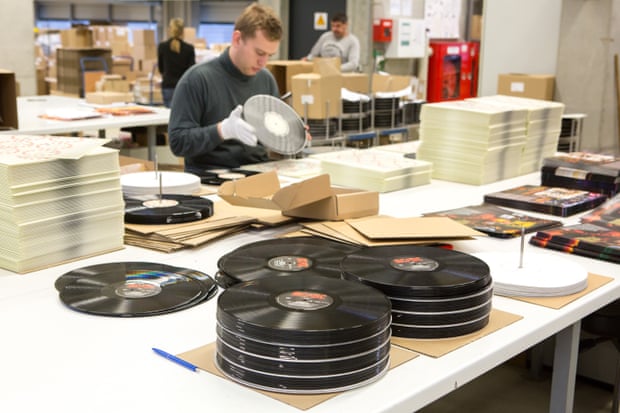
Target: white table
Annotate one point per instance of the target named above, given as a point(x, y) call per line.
point(54, 359)
point(29, 109)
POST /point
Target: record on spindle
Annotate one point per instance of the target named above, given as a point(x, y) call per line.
point(423, 319)
point(303, 309)
point(133, 289)
point(282, 257)
point(167, 209)
point(450, 303)
point(417, 271)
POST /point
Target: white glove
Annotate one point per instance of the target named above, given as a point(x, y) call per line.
point(233, 127)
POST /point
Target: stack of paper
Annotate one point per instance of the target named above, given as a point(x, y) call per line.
point(372, 170)
point(152, 182)
point(60, 199)
point(543, 127)
point(471, 141)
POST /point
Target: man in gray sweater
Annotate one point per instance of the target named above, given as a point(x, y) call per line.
point(338, 43)
point(206, 126)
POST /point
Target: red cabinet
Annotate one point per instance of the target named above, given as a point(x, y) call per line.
point(452, 70)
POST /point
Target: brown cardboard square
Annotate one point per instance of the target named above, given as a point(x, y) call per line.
point(284, 70)
point(8, 100)
point(203, 357)
point(536, 86)
point(438, 347)
point(381, 227)
point(312, 198)
point(76, 37)
point(594, 281)
point(316, 96)
point(326, 66)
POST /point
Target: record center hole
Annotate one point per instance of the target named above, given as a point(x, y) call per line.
point(160, 203)
point(276, 124)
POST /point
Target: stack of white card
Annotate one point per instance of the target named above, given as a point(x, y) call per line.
point(60, 199)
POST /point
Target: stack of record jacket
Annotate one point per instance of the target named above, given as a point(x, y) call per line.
point(542, 128)
point(374, 170)
point(435, 292)
point(472, 141)
point(582, 170)
point(60, 199)
point(302, 334)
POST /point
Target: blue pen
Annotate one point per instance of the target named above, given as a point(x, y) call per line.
point(177, 360)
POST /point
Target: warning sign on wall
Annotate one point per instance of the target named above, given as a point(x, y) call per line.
point(320, 21)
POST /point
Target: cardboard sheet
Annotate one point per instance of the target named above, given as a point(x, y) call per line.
point(204, 358)
point(380, 227)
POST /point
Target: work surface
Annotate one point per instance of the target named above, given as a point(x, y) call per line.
point(54, 359)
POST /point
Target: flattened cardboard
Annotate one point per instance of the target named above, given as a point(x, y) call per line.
point(312, 198)
point(203, 357)
point(413, 228)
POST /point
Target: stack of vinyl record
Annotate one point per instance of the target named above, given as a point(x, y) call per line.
point(282, 257)
point(435, 293)
point(133, 289)
point(542, 127)
point(323, 128)
point(303, 334)
point(379, 171)
point(387, 112)
point(167, 209)
point(151, 182)
point(60, 199)
point(538, 275)
point(355, 115)
point(411, 111)
point(472, 141)
point(581, 170)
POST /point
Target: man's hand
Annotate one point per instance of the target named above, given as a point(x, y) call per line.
point(234, 127)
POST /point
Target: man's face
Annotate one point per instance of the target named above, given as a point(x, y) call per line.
point(252, 53)
point(339, 29)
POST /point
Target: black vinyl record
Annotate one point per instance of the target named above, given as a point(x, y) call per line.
point(302, 384)
point(133, 289)
point(443, 304)
point(303, 309)
point(416, 271)
point(283, 257)
point(441, 317)
point(439, 330)
point(167, 209)
point(285, 351)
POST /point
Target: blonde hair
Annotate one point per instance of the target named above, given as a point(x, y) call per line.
point(258, 17)
point(175, 31)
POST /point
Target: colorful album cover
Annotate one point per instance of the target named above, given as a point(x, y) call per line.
point(585, 236)
point(606, 214)
point(577, 250)
point(496, 221)
point(588, 162)
point(546, 199)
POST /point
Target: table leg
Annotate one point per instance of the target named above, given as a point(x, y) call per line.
point(565, 369)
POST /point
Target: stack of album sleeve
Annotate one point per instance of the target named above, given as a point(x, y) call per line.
point(472, 141)
point(542, 128)
point(596, 236)
point(60, 199)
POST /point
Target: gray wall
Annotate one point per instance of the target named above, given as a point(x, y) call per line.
point(17, 46)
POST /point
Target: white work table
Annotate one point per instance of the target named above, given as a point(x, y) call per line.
point(30, 122)
point(54, 359)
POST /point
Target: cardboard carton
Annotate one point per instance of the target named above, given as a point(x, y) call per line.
point(317, 96)
point(390, 83)
point(533, 86)
point(312, 198)
point(284, 70)
point(356, 82)
point(76, 38)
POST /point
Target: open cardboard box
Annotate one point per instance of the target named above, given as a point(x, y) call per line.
point(312, 198)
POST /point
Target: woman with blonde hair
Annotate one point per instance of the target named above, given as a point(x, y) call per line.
point(174, 57)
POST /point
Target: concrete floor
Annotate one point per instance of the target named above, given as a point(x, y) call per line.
point(510, 388)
